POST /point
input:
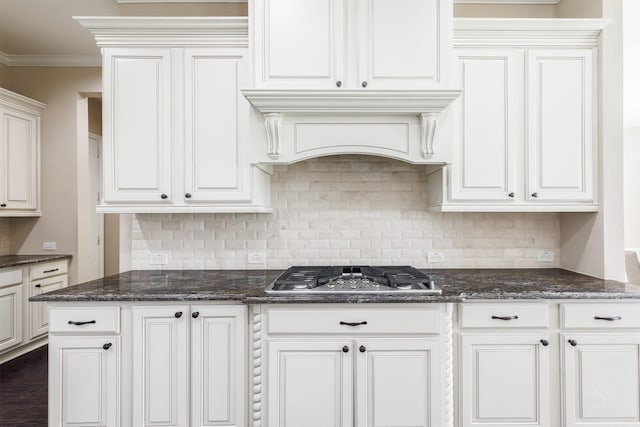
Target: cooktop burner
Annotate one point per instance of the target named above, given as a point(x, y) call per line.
point(361, 279)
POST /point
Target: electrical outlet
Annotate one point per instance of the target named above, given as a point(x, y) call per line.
point(545, 256)
point(49, 246)
point(159, 259)
point(256, 258)
point(435, 256)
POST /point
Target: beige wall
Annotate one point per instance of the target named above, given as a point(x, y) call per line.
point(580, 9)
point(632, 187)
point(503, 11)
point(184, 9)
point(60, 89)
point(95, 116)
point(5, 238)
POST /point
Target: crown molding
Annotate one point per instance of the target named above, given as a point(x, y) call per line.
point(50, 60)
point(523, 32)
point(181, 1)
point(506, 1)
point(21, 102)
point(167, 31)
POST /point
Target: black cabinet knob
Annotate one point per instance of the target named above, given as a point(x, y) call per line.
point(534, 195)
point(178, 314)
point(163, 196)
point(339, 83)
point(188, 195)
point(345, 349)
point(573, 343)
point(365, 84)
point(363, 349)
point(512, 195)
point(544, 342)
point(4, 205)
point(38, 285)
point(107, 346)
point(195, 314)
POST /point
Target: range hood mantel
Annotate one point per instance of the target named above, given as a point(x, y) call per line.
point(426, 105)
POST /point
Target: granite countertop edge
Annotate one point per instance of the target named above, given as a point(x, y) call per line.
point(247, 287)
point(7, 261)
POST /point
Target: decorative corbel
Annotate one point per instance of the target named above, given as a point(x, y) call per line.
point(273, 123)
point(428, 122)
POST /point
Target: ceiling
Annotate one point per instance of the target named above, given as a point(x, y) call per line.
point(46, 27)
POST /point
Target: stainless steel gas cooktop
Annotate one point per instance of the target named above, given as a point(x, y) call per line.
point(371, 280)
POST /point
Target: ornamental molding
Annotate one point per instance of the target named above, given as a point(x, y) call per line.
point(17, 101)
point(167, 31)
point(256, 366)
point(523, 32)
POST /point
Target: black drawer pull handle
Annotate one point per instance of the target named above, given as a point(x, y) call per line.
point(195, 314)
point(610, 319)
point(4, 205)
point(89, 322)
point(107, 346)
point(573, 343)
point(38, 286)
point(544, 342)
point(345, 349)
point(353, 323)
point(504, 317)
point(178, 314)
point(51, 271)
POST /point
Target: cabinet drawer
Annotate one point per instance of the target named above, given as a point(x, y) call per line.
point(85, 319)
point(48, 269)
point(601, 316)
point(10, 277)
point(504, 316)
point(353, 321)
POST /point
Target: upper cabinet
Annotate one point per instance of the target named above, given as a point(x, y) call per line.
point(524, 132)
point(329, 44)
point(175, 123)
point(19, 155)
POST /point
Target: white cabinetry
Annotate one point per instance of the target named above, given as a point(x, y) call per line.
point(161, 361)
point(601, 364)
point(378, 366)
point(19, 155)
point(329, 44)
point(11, 302)
point(525, 133)
point(44, 277)
point(175, 122)
point(504, 375)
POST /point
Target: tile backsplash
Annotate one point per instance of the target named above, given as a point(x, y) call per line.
point(346, 210)
point(4, 236)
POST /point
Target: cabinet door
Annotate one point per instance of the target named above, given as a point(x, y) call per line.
point(38, 313)
point(216, 115)
point(10, 316)
point(84, 381)
point(487, 126)
point(18, 160)
point(137, 102)
point(560, 134)
point(160, 366)
point(398, 383)
point(602, 379)
point(401, 47)
point(504, 380)
point(310, 383)
point(218, 345)
point(302, 43)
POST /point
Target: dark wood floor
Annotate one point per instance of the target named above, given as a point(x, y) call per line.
point(23, 390)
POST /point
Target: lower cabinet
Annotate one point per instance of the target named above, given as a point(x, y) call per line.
point(84, 381)
point(10, 316)
point(181, 351)
point(343, 373)
point(39, 319)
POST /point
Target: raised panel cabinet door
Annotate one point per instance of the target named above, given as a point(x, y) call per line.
point(20, 132)
point(216, 116)
point(302, 43)
point(84, 381)
point(560, 125)
point(38, 313)
point(487, 123)
point(218, 356)
point(137, 103)
point(310, 383)
point(602, 379)
point(504, 380)
point(160, 366)
point(10, 316)
point(402, 47)
point(398, 383)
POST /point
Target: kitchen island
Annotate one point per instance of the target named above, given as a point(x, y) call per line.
point(193, 348)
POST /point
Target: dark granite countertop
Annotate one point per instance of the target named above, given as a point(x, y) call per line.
point(248, 286)
point(15, 260)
